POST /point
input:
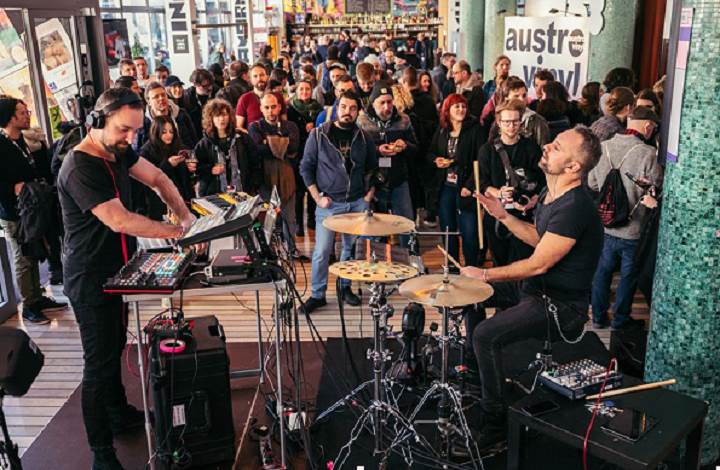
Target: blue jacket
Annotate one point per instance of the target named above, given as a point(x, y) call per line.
point(323, 165)
point(322, 117)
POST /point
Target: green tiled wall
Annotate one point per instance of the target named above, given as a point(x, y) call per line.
point(684, 339)
point(613, 46)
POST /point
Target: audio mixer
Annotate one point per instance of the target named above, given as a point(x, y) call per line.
point(148, 272)
point(577, 379)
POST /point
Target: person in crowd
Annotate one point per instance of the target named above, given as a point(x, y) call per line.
point(22, 166)
point(426, 85)
point(424, 119)
point(555, 108)
point(395, 143)
point(345, 48)
point(163, 149)
point(323, 69)
point(588, 106)
point(659, 88)
point(303, 111)
point(161, 74)
point(94, 192)
point(323, 46)
point(307, 73)
point(218, 78)
point(567, 240)
point(364, 82)
point(648, 98)
point(509, 171)
point(442, 74)
point(402, 98)
point(238, 84)
point(502, 71)
point(160, 105)
point(617, 77)
point(329, 113)
point(196, 97)
point(380, 74)
point(534, 126)
point(143, 75)
point(364, 50)
point(131, 83)
point(127, 68)
point(248, 106)
point(276, 142)
point(452, 151)
point(541, 78)
point(388, 61)
point(627, 152)
point(217, 56)
point(326, 96)
point(176, 92)
point(423, 49)
point(337, 188)
point(617, 108)
point(470, 87)
point(410, 55)
point(224, 162)
point(266, 58)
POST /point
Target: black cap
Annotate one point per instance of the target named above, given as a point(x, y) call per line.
point(173, 80)
point(380, 89)
point(643, 113)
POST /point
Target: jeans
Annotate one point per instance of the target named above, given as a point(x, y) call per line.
point(300, 209)
point(324, 242)
point(397, 201)
point(526, 319)
point(103, 336)
point(452, 218)
point(27, 271)
point(615, 249)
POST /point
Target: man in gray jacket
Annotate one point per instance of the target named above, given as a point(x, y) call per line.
point(338, 162)
point(628, 153)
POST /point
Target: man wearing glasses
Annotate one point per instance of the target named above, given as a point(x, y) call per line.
point(509, 171)
point(197, 95)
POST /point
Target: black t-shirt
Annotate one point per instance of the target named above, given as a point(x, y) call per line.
point(342, 139)
point(573, 215)
point(93, 252)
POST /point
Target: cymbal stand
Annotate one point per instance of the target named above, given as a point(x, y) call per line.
point(450, 404)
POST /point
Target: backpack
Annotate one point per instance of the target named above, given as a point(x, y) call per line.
point(612, 201)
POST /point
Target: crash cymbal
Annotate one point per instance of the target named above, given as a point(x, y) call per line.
point(367, 271)
point(459, 291)
point(369, 223)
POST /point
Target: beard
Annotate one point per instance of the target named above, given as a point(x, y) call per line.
point(118, 148)
point(260, 86)
point(343, 122)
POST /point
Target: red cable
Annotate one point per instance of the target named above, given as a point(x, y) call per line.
point(596, 409)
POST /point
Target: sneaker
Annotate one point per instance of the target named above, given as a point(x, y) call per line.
point(33, 314)
point(312, 304)
point(48, 303)
point(126, 419)
point(349, 297)
point(104, 458)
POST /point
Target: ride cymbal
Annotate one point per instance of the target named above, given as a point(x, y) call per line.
point(457, 292)
point(368, 271)
point(369, 224)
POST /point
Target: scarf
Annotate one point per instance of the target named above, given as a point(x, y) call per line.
point(308, 110)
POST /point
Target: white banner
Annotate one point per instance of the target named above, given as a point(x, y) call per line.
point(559, 44)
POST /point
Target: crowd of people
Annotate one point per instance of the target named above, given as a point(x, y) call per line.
point(338, 126)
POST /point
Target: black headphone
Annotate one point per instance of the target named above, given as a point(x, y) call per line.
point(97, 117)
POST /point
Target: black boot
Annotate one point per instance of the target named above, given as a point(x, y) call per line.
point(349, 297)
point(104, 458)
point(126, 419)
point(493, 433)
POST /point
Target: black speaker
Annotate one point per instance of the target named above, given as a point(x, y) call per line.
point(20, 361)
point(191, 396)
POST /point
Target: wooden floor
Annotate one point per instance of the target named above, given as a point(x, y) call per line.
point(60, 341)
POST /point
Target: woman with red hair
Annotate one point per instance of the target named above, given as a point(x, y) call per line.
point(452, 152)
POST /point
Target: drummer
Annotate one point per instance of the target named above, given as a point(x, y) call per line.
point(567, 237)
point(338, 162)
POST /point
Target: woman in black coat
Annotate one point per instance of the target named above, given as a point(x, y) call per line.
point(453, 150)
point(165, 150)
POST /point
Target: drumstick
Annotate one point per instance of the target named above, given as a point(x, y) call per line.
point(452, 260)
point(476, 169)
point(636, 388)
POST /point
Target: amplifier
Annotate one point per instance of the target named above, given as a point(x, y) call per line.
point(190, 383)
point(578, 379)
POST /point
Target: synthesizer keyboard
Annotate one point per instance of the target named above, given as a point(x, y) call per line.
point(578, 379)
point(148, 272)
point(223, 223)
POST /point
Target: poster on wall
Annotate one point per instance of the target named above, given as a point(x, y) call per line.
point(12, 52)
point(117, 43)
point(558, 44)
point(56, 56)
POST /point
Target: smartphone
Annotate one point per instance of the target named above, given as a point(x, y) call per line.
point(630, 425)
point(540, 408)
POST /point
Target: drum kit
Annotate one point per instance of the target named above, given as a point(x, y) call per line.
point(392, 431)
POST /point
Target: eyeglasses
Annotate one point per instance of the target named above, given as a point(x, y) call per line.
point(510, 122)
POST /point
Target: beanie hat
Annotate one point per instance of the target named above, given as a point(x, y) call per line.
point(380, 89)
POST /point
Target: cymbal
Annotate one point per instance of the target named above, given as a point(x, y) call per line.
point(369, 223)
point(459, 291)
point(367, 271)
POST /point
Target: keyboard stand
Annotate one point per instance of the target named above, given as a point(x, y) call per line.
point(134, 301)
